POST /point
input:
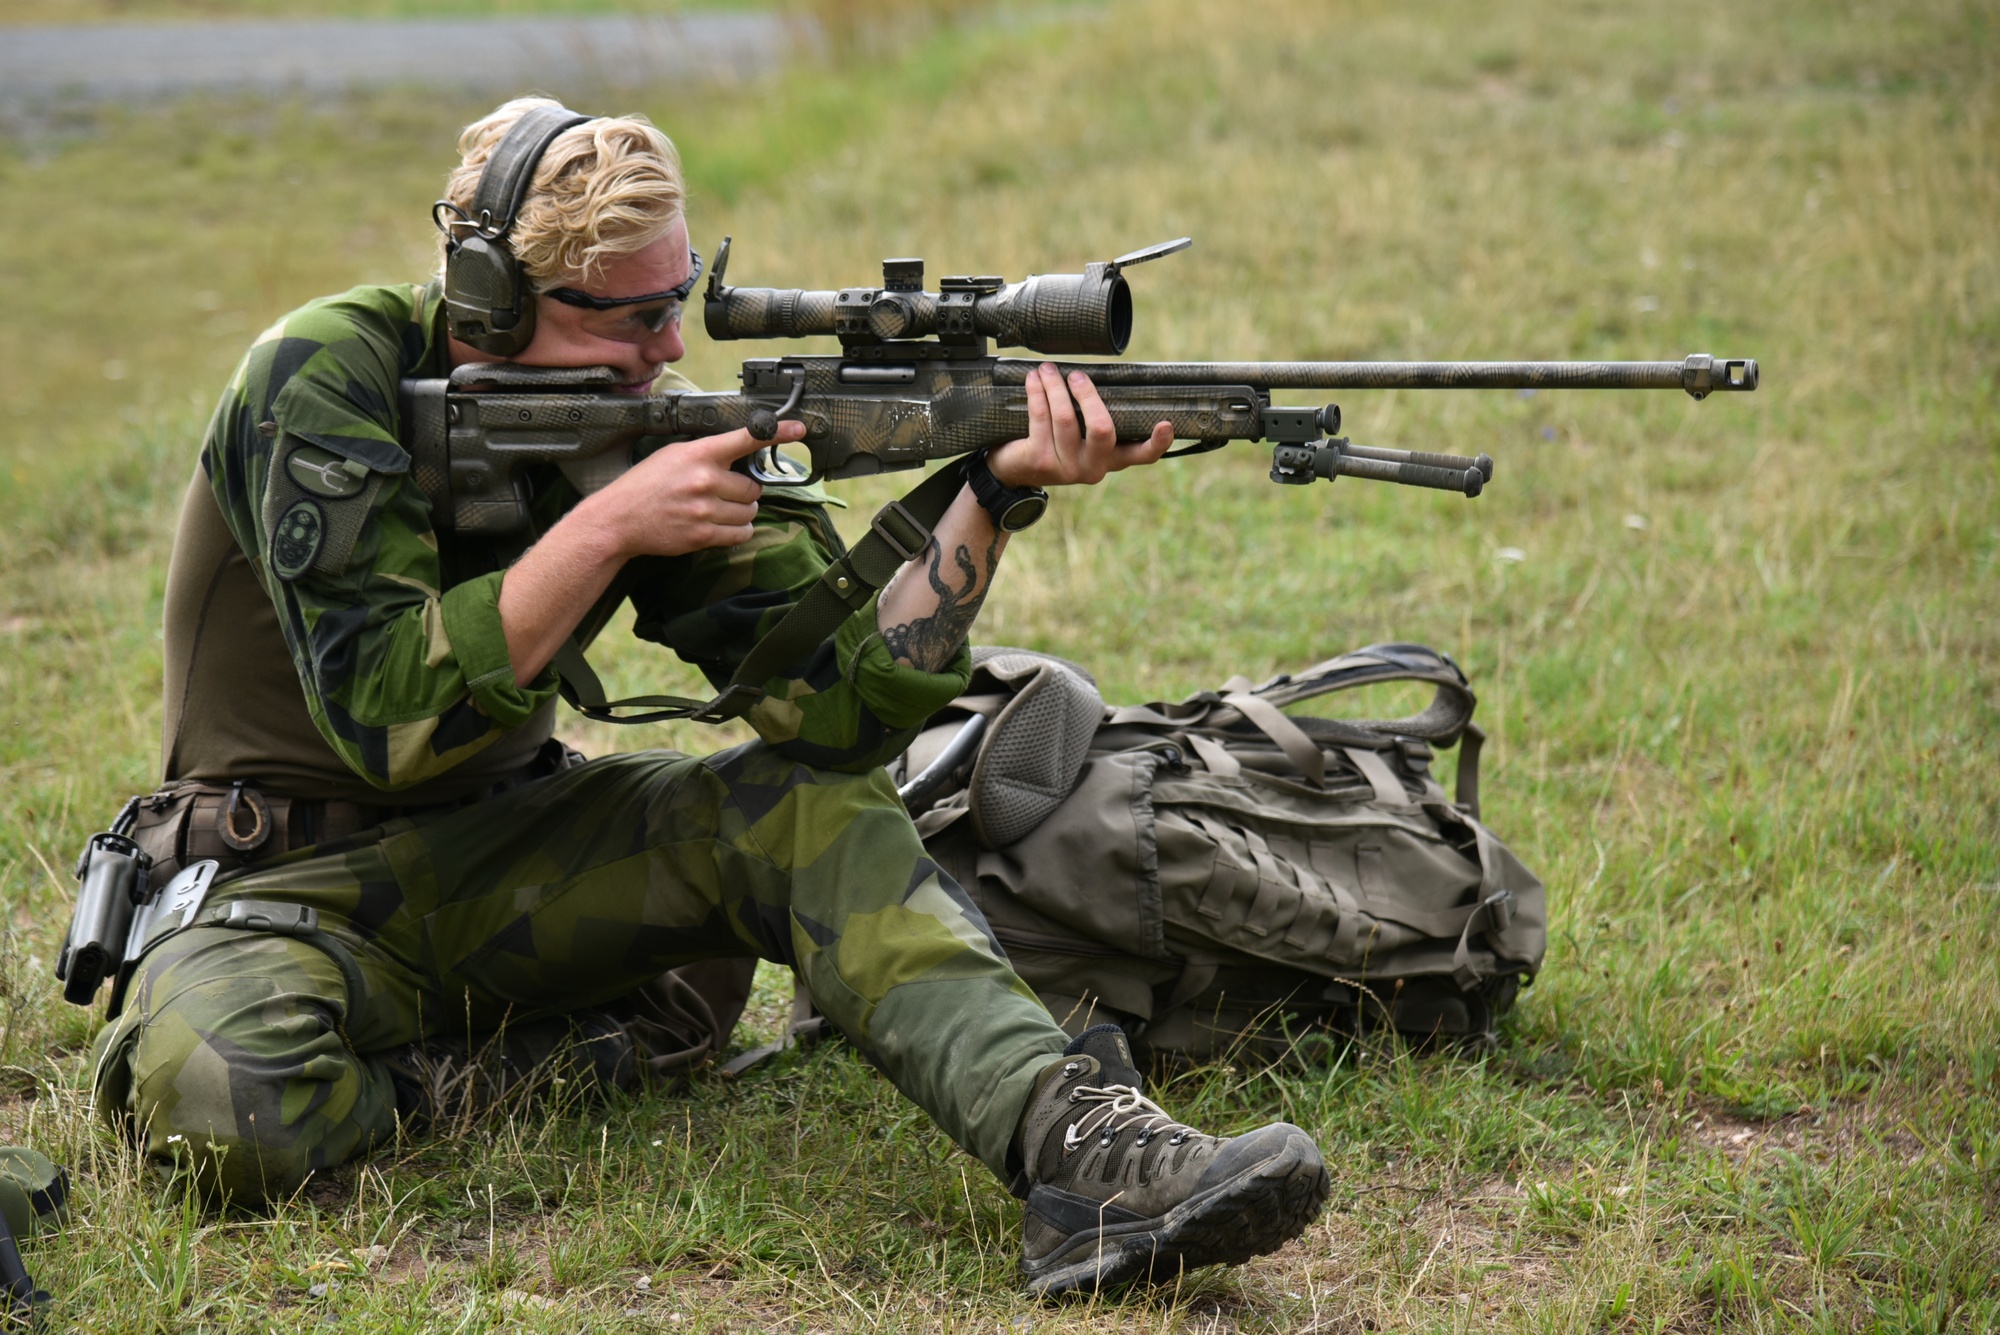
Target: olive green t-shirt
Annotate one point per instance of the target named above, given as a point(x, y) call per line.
point(325, 640)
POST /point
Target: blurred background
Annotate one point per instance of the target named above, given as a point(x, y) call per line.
point(1738, 657)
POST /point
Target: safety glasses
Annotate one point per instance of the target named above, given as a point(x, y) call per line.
point(631, 319)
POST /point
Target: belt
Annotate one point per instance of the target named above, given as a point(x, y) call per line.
point(238, 823)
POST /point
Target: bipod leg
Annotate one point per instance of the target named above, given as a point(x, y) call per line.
point(1300, 463)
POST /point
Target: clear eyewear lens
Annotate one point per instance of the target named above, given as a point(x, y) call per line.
point(633, 324)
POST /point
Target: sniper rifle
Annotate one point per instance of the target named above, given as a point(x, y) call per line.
point(914, 382)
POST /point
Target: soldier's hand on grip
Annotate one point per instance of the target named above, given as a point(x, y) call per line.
point(688, 496)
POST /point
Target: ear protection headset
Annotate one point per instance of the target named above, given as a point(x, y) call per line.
point(488, 303)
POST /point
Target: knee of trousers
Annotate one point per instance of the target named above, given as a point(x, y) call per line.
point(810, 821)
point(239, 1078)
point(759, 776)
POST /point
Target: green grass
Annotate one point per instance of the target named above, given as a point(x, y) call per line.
point(1742, 681)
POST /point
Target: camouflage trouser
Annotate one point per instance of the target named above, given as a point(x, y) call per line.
point(253, 1058)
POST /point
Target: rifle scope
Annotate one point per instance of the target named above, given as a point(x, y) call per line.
point(1060, 314)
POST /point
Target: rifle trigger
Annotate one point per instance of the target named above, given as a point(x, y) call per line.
point(780, 472)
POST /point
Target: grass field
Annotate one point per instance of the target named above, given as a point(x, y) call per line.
point(1740, 659)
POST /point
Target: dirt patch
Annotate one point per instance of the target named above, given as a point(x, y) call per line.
point(1396, 1255)
point(1819, 1135)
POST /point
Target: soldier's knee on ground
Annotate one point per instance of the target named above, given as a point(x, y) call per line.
point(241, 1087)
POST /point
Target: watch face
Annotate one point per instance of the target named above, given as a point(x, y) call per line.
point(1024, 512)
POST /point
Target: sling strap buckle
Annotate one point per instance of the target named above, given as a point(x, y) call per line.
point(906, 535)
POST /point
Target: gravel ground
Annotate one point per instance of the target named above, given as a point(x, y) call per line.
point(40, 67)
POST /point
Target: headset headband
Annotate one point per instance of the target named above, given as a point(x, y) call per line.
point(504, 183)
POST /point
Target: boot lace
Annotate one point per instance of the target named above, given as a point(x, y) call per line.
point(1115, 1108)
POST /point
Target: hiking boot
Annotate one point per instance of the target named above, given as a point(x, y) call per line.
point(447, 1080)
point(1120, 1189)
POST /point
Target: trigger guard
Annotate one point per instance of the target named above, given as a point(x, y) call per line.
point(753, 465)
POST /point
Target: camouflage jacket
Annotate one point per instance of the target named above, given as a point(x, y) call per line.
point(394, 627)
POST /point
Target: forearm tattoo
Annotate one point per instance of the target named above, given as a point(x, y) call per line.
point(928, 643)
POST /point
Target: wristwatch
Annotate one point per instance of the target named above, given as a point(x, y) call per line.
point(1012, 508)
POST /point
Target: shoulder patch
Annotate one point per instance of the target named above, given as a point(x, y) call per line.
point(297, 538)
point(316, 507)
point(324, 473)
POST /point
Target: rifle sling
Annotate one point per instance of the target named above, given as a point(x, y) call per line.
point(899, 531)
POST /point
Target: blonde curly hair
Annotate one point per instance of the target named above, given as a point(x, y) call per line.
point(605, 188)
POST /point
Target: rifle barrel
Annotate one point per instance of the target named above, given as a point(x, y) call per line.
point(1699, 374)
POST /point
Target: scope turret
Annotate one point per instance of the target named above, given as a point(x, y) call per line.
point(1055, 314)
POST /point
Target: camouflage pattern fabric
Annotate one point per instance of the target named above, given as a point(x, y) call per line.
point(396, 636)
point(244, 1060)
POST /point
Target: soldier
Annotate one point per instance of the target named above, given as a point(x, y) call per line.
point(470, 875)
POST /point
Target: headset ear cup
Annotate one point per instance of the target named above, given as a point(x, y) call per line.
point(487, 301)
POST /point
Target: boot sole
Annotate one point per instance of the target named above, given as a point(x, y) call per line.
point(1257, 1211)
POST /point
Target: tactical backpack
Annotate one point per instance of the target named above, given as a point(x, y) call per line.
point(1219, 876)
